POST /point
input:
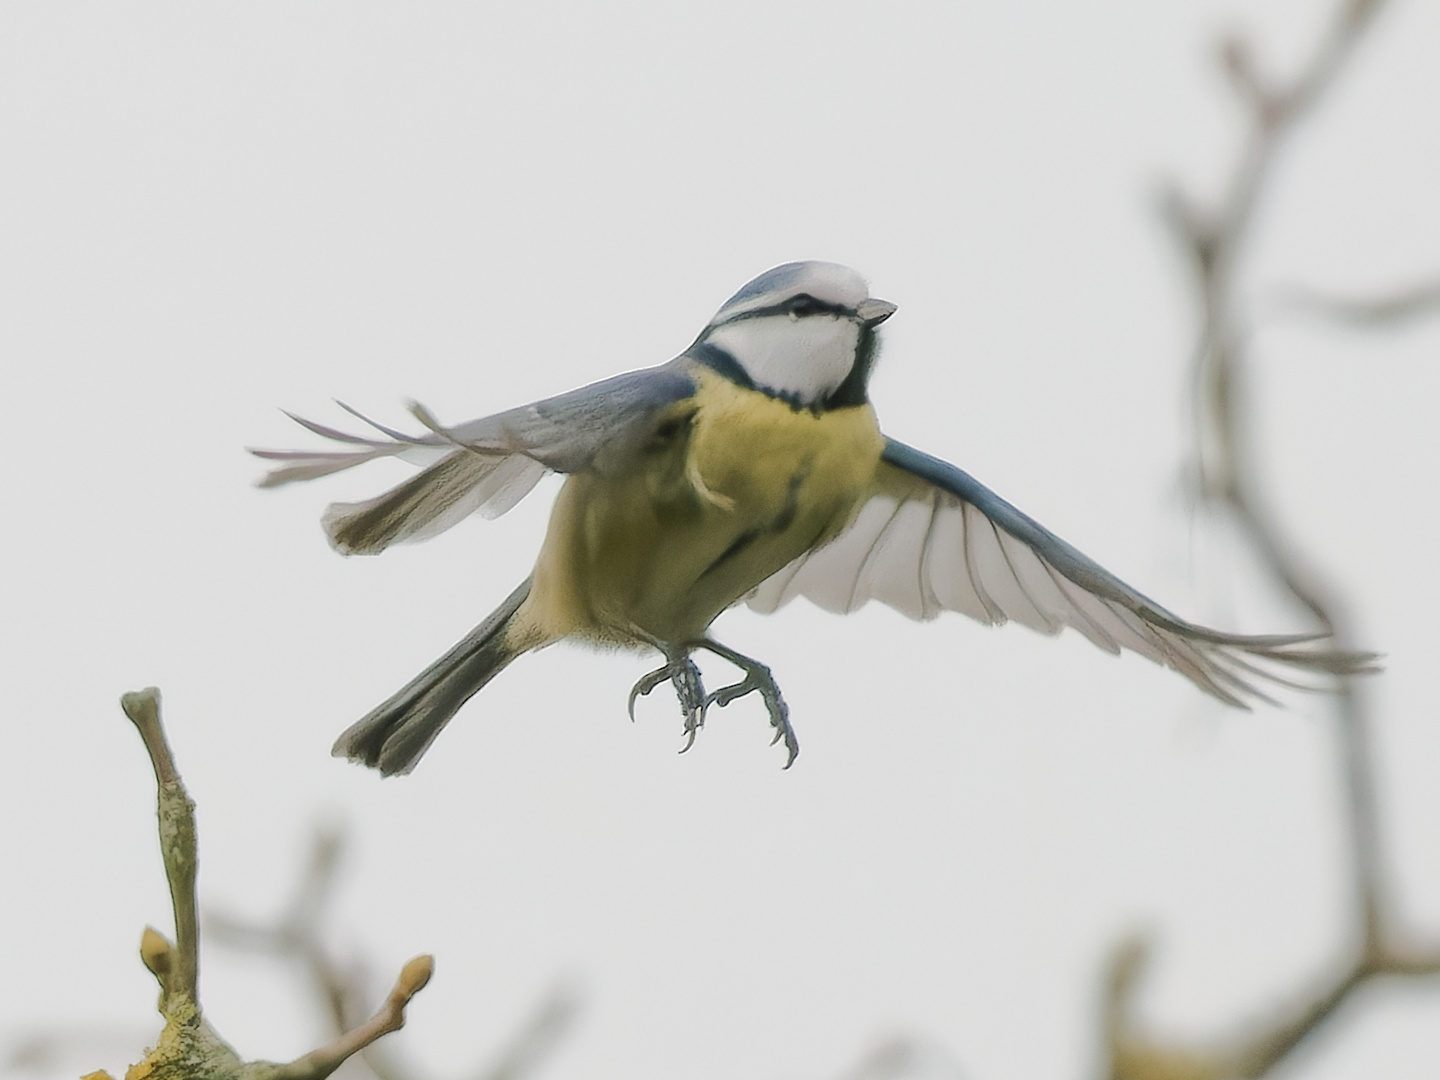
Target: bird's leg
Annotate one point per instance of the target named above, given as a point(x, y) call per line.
point(685, 677)
point(757, 678)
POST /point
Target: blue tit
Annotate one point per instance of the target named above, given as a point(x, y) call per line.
point(750, 469)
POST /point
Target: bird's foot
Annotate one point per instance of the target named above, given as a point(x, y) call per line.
point(685, 677)
point(682, 673)
point(757, 680)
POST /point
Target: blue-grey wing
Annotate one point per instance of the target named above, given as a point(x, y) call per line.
point(933, 539)
point(482, 466)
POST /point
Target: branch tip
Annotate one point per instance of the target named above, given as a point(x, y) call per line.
point(414, 976)
point(320, 1063)
point(143, 709)
point(142, 706)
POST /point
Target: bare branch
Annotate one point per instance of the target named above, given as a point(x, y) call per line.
point(177, 849)
point(536, 1038)
point(319, 1064)
point(1226, 470)
point(1214, 240)
point(1392, 308)
point(904, 1057)
point(1225, 467)
point(1135, 1055)
point(50, 1050)
point(188, 1047)
point(297, 935)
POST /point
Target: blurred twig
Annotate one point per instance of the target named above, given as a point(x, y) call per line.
point(1390, 308)
point(904, 1057)
point(1215, 239)
point(297, 935)
point(60, 1048)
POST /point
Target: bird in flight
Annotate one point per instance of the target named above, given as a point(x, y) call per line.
point(751, 470)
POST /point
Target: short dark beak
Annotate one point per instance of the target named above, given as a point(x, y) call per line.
point(873, 312)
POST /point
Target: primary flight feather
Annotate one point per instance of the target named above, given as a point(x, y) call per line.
point(749, 469)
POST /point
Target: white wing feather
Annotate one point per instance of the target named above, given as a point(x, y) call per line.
point(922, 548)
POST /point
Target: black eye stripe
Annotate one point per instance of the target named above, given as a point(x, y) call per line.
point(803, 305)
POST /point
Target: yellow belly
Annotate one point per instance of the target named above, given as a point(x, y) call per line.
point(652, 548)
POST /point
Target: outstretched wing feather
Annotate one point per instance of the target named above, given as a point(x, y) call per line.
point(486, 465)
point(932, 538)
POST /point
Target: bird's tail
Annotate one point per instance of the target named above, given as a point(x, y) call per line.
point(393, 736)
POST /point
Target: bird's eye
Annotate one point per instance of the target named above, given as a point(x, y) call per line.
point(802, 305)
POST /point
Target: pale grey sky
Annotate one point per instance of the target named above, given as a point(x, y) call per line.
point(210, 212)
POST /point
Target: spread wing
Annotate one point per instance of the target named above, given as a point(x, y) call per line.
point(934, 539)
point(485, 466)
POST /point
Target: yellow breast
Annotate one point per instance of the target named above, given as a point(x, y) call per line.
point(651, 548)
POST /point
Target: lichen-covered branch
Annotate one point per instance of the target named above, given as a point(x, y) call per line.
point(178, 967)
point(188, 1048)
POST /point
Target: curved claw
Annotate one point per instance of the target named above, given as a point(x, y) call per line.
point(695, 702)
point(646, 683)
point(757, 679)
point(780, 721)
point(685, 677)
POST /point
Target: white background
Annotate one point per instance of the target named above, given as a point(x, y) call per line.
point(207, 212)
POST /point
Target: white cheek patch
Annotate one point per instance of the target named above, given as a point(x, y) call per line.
point(807, 358)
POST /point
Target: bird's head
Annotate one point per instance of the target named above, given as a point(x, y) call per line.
point(803, 332)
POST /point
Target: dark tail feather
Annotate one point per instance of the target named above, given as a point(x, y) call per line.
point(393, 736)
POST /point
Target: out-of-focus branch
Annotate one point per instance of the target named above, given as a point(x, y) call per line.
point(1215, 240)
point(49, 1050)
point(188, 1047)
point(904, 1057)
point(298, 935)
point(1226, 474)
point(1135, 1055)
point(1392, 308)
point(535, 1039)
